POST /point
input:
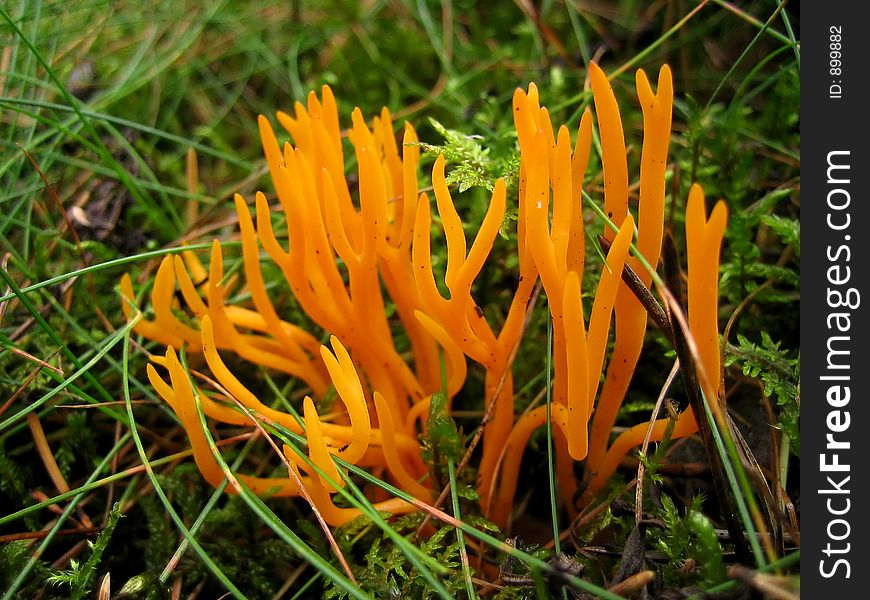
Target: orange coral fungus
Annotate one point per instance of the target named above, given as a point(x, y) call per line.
point(578, 356)
point(631, 318)
point(350, 254)
point(703, 242)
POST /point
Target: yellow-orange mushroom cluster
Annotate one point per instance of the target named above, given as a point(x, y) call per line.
point(352, 254)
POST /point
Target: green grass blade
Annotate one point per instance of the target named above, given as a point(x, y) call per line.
point(48, 329)
point(460, 536)
point(77, 496)
point(110, 264)
point(158, 489)
point(551, 471)
point(271, 520)
point(118, 336)
point(741, 489)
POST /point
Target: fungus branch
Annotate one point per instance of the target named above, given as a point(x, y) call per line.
point(352, 251)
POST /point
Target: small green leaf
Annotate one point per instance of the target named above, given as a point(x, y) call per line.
point(444, 438)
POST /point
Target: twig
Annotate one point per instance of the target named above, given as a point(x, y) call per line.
point(771, 586)
point(643, 295)
point(641, 467)
point(24, 385)
point(628, 586)
point(44, 451)
point(38, 535)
